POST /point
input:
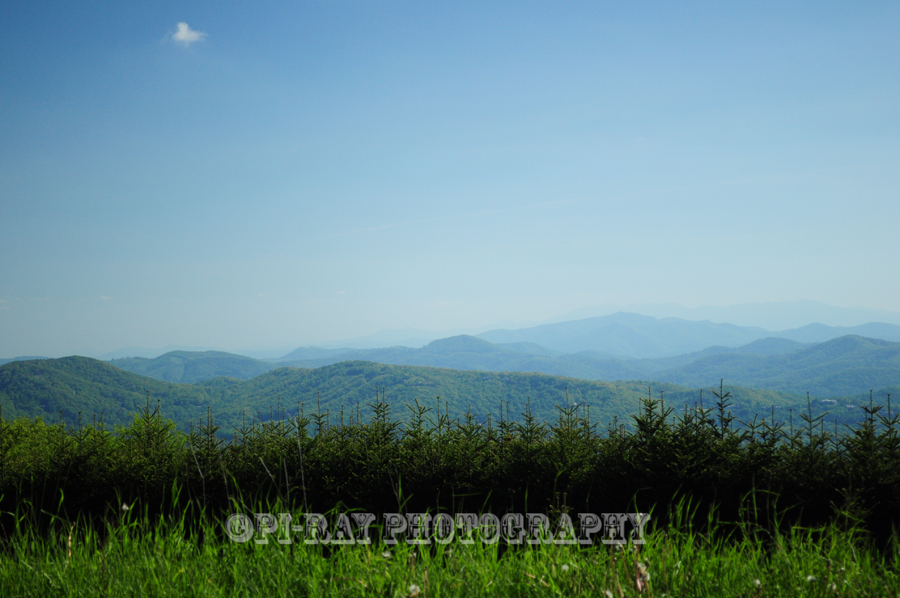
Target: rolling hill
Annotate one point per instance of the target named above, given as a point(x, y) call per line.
point(54, 388)
point(839, 367)
point(194, 366)
point(22, 358)
point(73, 384)
point(844, 366)
point(472, 353)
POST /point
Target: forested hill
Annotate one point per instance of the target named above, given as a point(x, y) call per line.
point(839, 367)
point(22, 358)
point(195, 366)
point(73, 384)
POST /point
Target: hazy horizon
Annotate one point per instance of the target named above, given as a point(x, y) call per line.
point(253, 177)
point(774, 317)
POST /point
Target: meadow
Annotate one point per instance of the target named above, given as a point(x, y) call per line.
point(138, 555)
point(754, 508)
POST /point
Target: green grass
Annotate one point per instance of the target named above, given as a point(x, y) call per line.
point(53, 476)
point(137, 556)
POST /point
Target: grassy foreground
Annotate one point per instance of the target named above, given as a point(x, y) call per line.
point(137, 557)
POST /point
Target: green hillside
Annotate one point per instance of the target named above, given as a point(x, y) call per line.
point(844, 366)
point(73, 384)
point(194, 366)
point(353, 385)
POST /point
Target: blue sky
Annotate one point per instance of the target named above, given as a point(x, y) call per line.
point(309, 171)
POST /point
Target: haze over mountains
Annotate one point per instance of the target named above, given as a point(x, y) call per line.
point(775, 315)
point(609, 361)
point(195, 366)
point(841, 366)
point(640, 337)
point(621, 336)
point(771, 316)
point(827, 361)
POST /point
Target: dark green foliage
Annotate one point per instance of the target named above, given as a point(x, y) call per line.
point(433, 460)
point(74, 385)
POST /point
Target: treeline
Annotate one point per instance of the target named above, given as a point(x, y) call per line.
point(764, 471)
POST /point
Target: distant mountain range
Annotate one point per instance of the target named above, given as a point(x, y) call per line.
point(772, 315)
point(824, 360)
point(844, 366)
point(641, 337)
point(148, 352)
point(621, 335)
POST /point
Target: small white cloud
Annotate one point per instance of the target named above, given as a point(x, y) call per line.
point(105, 297)
point(259, 294)
point(185, 35)
point(342, 292)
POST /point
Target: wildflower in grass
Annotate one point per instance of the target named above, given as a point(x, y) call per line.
point(757, 583)
point(386, 554)
point(125, 507)
point(643, 577)
point(608, 594)
point(414, 590)
point(811, 578)
point(565, 568)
